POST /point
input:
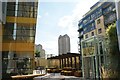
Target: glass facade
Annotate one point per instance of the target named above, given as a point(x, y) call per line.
point(19, 38)
point(93, 57)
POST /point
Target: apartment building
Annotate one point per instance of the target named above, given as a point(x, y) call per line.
point(92, 29)
point(63, 44)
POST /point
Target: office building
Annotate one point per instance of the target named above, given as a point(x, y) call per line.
point(18, 37)
point(63, 44)
point(92, 35)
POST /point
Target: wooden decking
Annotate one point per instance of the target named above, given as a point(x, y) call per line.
point(26, 77)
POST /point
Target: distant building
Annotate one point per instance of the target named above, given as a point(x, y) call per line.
point(63, 44)
point(49, 55)
point(41, 59)
point(41, 50)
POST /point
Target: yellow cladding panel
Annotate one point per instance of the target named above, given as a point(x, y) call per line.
point(100, 25)
point(18, 46)
point(21, 20)
point(90, 33)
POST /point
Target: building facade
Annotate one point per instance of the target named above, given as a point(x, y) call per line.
point(18, 37)
point(63, 44)
point(92, 35)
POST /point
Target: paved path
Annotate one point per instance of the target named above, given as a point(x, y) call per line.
point(57, 76)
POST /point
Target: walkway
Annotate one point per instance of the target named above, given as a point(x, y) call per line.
point(56, 76)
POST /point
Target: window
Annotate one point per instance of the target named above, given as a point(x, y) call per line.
point(92, 33)
point(99, 31)
point(98, 21)
point(86, 36)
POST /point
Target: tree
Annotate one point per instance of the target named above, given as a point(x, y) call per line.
point(37, 53)
point(113, 68)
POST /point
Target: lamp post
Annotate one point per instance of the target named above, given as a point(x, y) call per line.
point(117, 5)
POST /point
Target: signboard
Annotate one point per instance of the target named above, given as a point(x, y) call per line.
point(88, 51)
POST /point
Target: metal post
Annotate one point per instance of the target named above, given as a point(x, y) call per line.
point(96, 58)
point(117, 5)
point(0, 40)
point(83, 73)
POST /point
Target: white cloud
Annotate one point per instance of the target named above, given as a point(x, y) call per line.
point(69, 25)
point(50, 46)
point(65, 21)
point(46, 14)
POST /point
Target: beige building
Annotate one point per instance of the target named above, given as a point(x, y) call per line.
point(100, 28)
point(93, 45)
point(41, 59)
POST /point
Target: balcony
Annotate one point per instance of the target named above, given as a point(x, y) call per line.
point(80, 29)
point(80, 35)
point(110, 18)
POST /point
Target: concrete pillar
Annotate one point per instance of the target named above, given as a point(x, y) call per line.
point(75, 62)
point(80, 63)
point(62, 63)
point(65, 62)
point(71, 61)
point(68, 61)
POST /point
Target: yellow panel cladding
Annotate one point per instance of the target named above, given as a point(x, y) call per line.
point(89, 33)
point(100, 25)
point(10, 19)
point(18, 46)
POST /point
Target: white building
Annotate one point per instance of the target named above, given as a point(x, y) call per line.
point(63, 44)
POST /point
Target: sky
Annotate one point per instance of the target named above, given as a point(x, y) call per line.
point(59, 17)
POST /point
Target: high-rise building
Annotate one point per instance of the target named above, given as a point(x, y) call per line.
point(63, 44)
point(17, 37)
